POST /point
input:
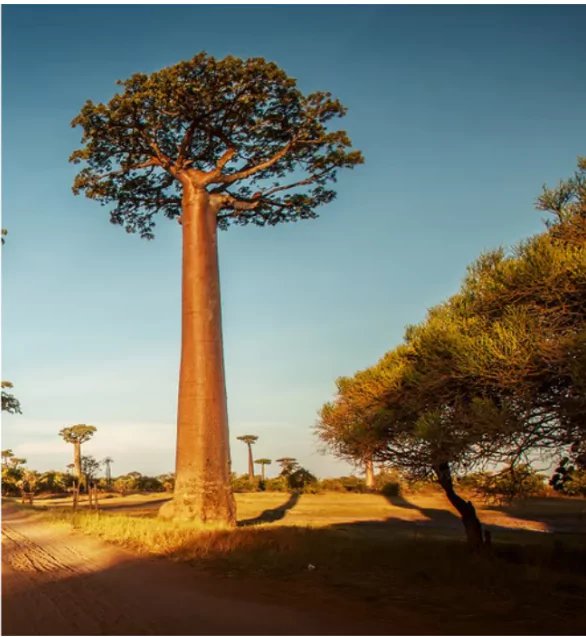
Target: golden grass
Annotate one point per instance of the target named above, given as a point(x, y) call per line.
point(540, 584)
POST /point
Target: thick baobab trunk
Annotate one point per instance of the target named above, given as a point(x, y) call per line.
point(369, 471)
point(262, 469)
point(250, 463)
point(202, 487)
point(77, 462)
point(467, 512)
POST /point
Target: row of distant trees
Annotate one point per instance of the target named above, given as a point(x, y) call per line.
point(494, 376)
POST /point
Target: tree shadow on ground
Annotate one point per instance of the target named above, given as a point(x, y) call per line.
point(272, 515)
point(436, 517)
point(560, 515)
point(135, 505)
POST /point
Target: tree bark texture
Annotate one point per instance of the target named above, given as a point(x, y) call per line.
point(250, 462)
point(467, 512)
point(77, 460)
point(369, 471)
point(202, 488)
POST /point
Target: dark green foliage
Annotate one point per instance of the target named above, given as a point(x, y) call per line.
point(10, 404)
point(300, 479)
point(512, 483)
point(243, 122)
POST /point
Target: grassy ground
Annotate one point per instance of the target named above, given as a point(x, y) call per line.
point(391, 557)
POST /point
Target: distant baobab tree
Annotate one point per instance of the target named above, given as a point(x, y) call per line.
point(249, 441)
point(263, 462)
point(77, 435)
point(288, 465)
point(107, 462)
point(209, 143)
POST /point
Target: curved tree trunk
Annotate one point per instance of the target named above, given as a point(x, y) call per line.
point(369, 471)
point(202, 488)
point(250, 463)
point(466, 510)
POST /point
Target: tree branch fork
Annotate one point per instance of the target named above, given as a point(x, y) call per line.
point(196, 180)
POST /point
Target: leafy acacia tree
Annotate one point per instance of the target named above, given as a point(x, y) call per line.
point(7, 454)
point(249, 440)
point(211, 143)
point(77, 435)
point(263, 462)
point(9, 402)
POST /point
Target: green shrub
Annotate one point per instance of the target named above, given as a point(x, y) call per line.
point(332, 484)
point(276, 484)
point(388, 483)
point(354, 484)
point(245, 484)
point(507, 485)
point(300, 479)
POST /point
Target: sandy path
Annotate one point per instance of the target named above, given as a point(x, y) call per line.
point(55, 582)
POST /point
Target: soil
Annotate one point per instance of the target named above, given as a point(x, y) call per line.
point(57, 582)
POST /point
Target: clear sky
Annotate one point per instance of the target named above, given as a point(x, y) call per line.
point(462, 114)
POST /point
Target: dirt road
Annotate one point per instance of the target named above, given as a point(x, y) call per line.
point(56, 582)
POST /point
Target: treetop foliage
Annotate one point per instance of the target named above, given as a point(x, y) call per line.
point(240, 127)
point(10, 403)
point(77, 433)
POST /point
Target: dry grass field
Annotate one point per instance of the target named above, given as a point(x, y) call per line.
point(367, 554)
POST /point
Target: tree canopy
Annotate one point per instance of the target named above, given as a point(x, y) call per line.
point(265, 149)
point(77, 433)
point(494, 374)
point(10, 403)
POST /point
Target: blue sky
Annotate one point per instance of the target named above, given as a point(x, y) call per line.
point(462, 114)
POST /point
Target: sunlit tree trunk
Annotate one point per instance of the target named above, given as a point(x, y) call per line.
point(369, 471)
point(202, 487)
point(250, 462)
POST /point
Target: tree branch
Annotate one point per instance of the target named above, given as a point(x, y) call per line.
point(303, 182)
point(243, 174)
point(146, 164)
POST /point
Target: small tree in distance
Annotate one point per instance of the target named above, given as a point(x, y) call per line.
point(211, 143)
point(263, 462)
point(249, 441)
point(77, 435)
point(288, 465)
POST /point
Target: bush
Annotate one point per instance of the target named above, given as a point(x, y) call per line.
point(276, 484)
point(300, 479)
point(332, 484)
point(575, 485)
point(388, 483)
point(507, 485)
point(245, 484)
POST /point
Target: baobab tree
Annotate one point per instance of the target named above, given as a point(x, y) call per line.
point(77, 435)
point(211, 143)
point(288, 465)
point(107, 462)
point(249, 441)
point(263, 462)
